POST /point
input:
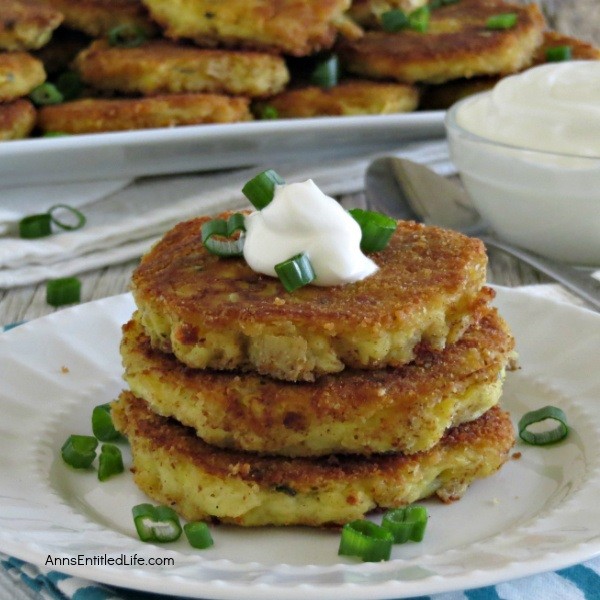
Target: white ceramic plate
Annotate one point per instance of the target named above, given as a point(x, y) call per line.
point(538, 513)
point(205, 147)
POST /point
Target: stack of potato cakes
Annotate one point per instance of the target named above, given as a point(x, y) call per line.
point(251, 405)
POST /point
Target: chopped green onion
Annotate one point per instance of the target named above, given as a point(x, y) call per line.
point(418, 20)
point(501, 21)
point(102, 424)
point(366, 540)
point(79, 216)
point(261, 189)
point(548, 436)
point(406, 523)
point(35, 226)
point(39, 225)
point(295, 272)
point(127, 36)
point(377, 229)
point(394, 20)
point(156, 523)
point(224, 229)
point(79, 451)
point(54, 134)
point(269, 112)
point(198, 535)
point(439, 3)
point(65, 290)
point(46, 93)
point(110, 462)
point(327, 73)
point(559, 53)
point(69, 84)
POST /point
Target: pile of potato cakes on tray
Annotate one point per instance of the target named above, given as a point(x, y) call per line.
point(133, 64)
point(248, 404)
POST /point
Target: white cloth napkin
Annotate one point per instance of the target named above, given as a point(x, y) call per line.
point(125, 218)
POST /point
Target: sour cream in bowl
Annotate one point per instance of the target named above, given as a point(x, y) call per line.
point(528, 153)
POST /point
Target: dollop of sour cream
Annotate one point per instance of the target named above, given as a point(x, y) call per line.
point(553, 107)
point(301, 218)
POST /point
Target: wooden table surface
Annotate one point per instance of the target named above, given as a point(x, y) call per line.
point(29, 302)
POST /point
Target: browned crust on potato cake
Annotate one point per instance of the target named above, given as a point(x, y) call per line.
point(161, 66)
point(456, 44)
point(17, 119)
point(26, 25)
point(391, 410)
point(173, 466)
point(219, 313)
point(352, 97)
point(293, 27)
point(20, 73)
point(169, 110)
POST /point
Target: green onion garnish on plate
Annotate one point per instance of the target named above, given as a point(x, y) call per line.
point(407, 523)
point(198, 535)
point(79, 451)
point(110, 462)
point(156, 523)
point(545, 436)
point(365, 539)
point(102, 423)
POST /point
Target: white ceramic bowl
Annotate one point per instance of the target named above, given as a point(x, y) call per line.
point(546, 202)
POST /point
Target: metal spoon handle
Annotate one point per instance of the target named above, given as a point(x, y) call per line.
point(580, 283)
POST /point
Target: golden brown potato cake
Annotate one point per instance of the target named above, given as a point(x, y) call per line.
point(440, 97)
point(20, 72)
point(219, 313)
point(367, 12)
point(100, 115)
point(356, 411)
point(175, 467)
point(161, 66)
point(352, 97)
point(457, 44)
point(98, 17)
point(288, 26)
point(17, 119)
point(26, 25)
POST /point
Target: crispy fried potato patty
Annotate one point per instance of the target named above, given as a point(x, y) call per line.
point(161, 66)
point(288, 26)
point(170, 110)
point(175, 467)
point(20, 73)
point(440, 97)
point(97, 17)
point(26, 25)
point(17, 119)
point(392, 410)
point(353, 97)
point(219, 313)
point(457, 44)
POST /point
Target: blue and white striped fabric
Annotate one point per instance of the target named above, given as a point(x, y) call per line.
point(19, 580)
